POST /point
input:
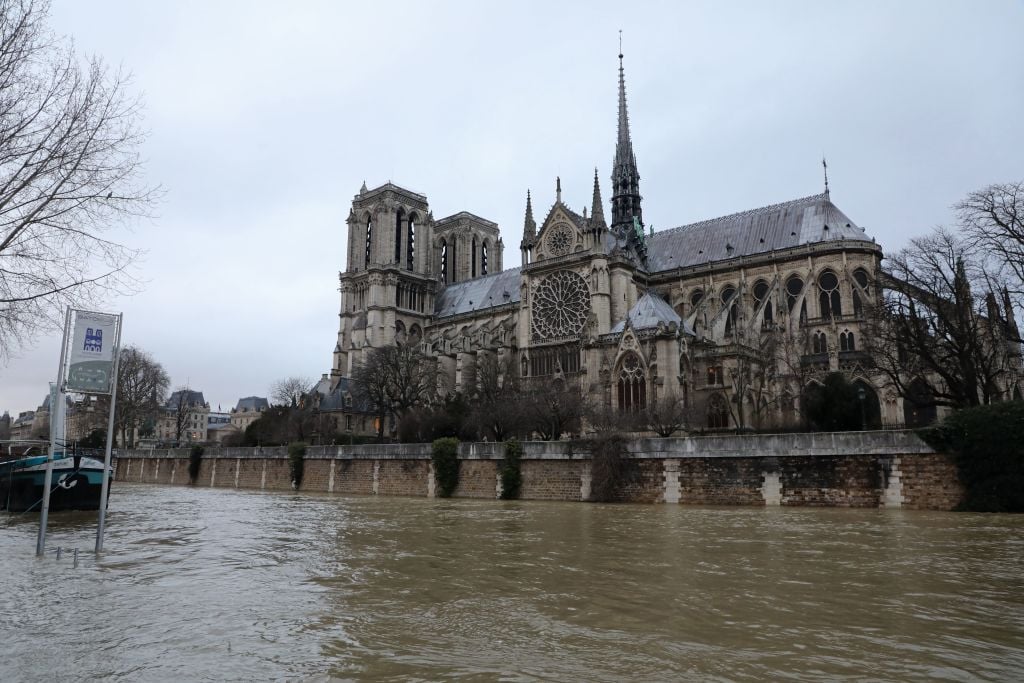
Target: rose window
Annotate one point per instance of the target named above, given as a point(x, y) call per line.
point(561, 304)
point(560, 239)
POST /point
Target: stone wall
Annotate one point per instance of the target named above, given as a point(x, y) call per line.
point(849, 469)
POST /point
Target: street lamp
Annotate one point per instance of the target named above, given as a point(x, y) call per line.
point(861, 394)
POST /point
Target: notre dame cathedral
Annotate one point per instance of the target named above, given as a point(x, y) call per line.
point(733, 316)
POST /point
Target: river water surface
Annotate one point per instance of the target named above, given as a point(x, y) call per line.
point(200, 584)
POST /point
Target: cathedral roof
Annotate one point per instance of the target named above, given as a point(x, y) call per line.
point(808, 220)
point(479, 293)
point(650, 311)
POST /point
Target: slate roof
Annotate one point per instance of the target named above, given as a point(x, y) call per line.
point(335, 400)
point(808, 220)
point(648, 312)
point(252, 404)
point(479, 293)
point(192, 398)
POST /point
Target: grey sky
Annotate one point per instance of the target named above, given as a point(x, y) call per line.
point(265, 121)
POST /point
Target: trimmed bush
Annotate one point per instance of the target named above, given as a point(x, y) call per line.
point(296, 462)
point(987, 444)
point(445, 456)
point(511, 474)
point(195, 460)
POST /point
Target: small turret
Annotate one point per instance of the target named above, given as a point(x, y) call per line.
point(529, 231)
point(1012, 331)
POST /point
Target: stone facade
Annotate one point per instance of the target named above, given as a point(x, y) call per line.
point(733, 316)
point(860, 469)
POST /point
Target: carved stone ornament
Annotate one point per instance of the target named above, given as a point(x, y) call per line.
point(560, 306)
point(559, 239)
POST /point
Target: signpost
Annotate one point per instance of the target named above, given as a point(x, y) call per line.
point(89, 366)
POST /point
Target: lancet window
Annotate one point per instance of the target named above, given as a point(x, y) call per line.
point(632, 384)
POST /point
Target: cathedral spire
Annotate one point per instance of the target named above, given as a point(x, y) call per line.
point(529, 225)
point(627, 215)
point(596, 208)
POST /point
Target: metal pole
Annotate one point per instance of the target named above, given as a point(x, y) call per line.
point(105, 486)
point(55, 414)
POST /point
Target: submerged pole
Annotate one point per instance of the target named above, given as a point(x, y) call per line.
point(105, 486)
point(56, 415)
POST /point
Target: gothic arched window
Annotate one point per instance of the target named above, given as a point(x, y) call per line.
point(632, 384)
point(369, 238)
point(761, 296)
point(728, 295)
point(860, 276)
point(410, 248)
point(455, 261)
point(399, 215)
point(794, 287)
point(819, 343)
point(718, 412)
point(829, 302)
point(846, 342)
point(472, 266)
point(483, 259)
point(444, 262)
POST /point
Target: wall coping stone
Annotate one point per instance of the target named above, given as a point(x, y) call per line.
point(813, 444)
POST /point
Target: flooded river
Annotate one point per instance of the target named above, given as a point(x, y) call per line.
point(201, 584)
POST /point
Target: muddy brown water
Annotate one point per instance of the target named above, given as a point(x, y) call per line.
point(200, 584)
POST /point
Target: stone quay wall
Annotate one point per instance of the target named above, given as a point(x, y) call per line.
point(892, 469)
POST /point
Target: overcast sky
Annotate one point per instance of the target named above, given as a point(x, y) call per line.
point(266, 117)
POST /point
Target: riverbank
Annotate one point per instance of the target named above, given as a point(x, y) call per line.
point(891, 469)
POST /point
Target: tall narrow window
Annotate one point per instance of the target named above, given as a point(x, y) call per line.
point(455, 260)
point(794, 287)
point(399, 215)
point(718, 412)
point(369, 239)
point(483, 259)
point(829, 302)
point(632, 386)
point(761, 296)
point(444, 262)
point(472, 258)
point(410, 248)
point(728, 296)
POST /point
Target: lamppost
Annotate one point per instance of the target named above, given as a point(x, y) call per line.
point(861, 395)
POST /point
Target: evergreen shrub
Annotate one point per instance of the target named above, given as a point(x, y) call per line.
point(296, 462)
point(445, 456)
point(195, 459)
point(511, 473)
point(987, 444)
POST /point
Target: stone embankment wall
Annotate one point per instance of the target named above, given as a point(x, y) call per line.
point(846, 469)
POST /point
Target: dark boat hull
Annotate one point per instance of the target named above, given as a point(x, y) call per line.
point(72, 488)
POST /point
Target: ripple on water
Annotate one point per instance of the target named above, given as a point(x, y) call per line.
point(231, 585)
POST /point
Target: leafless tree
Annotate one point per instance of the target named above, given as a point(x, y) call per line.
point(69, 173)
point(395, 379)
point(666, 415)
point(555, 407)
point(930, 327)
point(498, 398)
point(141, 390)
point(994, 218)
point(291, 391)
point(181, 409)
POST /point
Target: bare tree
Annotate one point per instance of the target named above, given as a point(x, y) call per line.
point(141, 389)
point(555, 407)
point(930, 328)
point(395, 379)
point(498, 398)
point(181, 408)
point(666, 415)
point(69, 172)
point(994, 218)
point(291, 391)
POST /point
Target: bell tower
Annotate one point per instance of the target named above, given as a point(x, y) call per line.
point(388, 286)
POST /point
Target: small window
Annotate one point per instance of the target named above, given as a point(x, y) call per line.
point(716, 377)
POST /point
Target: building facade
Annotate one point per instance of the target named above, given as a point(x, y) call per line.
point(732, 316)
